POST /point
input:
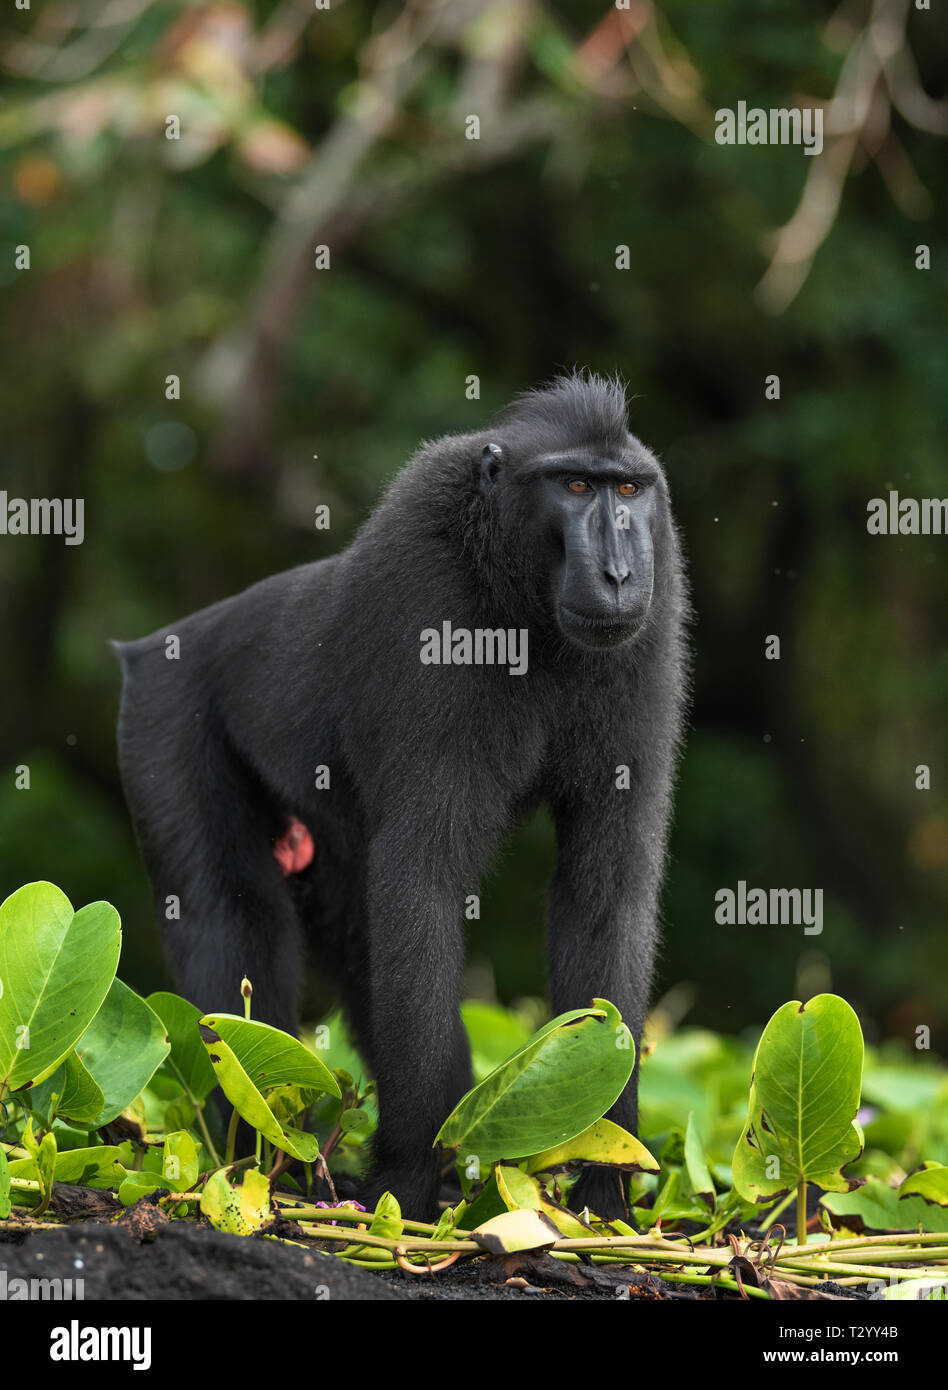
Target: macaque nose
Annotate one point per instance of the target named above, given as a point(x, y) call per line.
point(617, 573)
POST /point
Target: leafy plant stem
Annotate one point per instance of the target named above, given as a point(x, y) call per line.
point(863, 1243)
point(231, 1136)
point(199, 1116)
point(719, 1281)
point(801, 1210)
point(778, 1210)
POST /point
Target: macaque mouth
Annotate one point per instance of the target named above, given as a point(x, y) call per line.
point(603, 630)
point(294, 850)
point(611, 622)
point(593, 620)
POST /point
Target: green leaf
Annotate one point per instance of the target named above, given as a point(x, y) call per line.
point(901, 1089)
point(604, 1143)
point(520, 1191)
point(187, 1060)
point(931, 1184)
point(43, 1155)
point(486, 1204)
point(449, 1220)
point(803, 1101)
point(122, 1047)
point(288, 1101)
point(71, 1091)
point(56, 966)
point(551, 1089)
point(269, 1056)
point(240, 1208)
point(251, 1059)
point(696, 1165)
point(138, 1185)
point(98, 1166)
point(672, 1204)
point(387, 1220)
point(516, 1230)
point(351, 1121)
point(877, 1207)
point(179, 1161)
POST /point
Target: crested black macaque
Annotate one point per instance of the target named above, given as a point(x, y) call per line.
point(332, 757)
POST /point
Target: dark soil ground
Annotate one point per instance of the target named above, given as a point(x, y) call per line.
point(181, 1261)
point(139, 1253)
point(137, 1259)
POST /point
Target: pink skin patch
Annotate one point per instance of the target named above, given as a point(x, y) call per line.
point(293, 851)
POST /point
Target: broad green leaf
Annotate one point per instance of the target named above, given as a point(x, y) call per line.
point(931, 1184)
point(90, 1167)
point(520, 1191)
point(271, 1060)
point(696, 1165)
point(240, 1208)
point(567, 1222)
point(250, 1104)
point(180, 1114)
point(179, 1161)
point(98, 1166)
point(387, 1220)
point(672, 1204)
point(56, 966)
point(877, 1207)
point(136, 1185)
point(486, 1204)
point(450, 1219)
point(803, 1101)
point(269, 1056)
point(565, 1078)
point(351, 1121)
point(70, 1091)
point(187, 1060)
point(122, 1047)
point(603, 1142)
point(516, 1230)
point(286, 1101)
point(900, 1089)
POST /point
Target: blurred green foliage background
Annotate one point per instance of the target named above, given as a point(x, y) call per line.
point(347, 127)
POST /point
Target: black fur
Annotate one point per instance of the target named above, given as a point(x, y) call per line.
point(430, 765)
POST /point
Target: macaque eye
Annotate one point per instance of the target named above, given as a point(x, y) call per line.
point(628, 489)
point(578, 485)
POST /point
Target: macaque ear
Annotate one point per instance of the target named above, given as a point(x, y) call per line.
point(491, 460)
